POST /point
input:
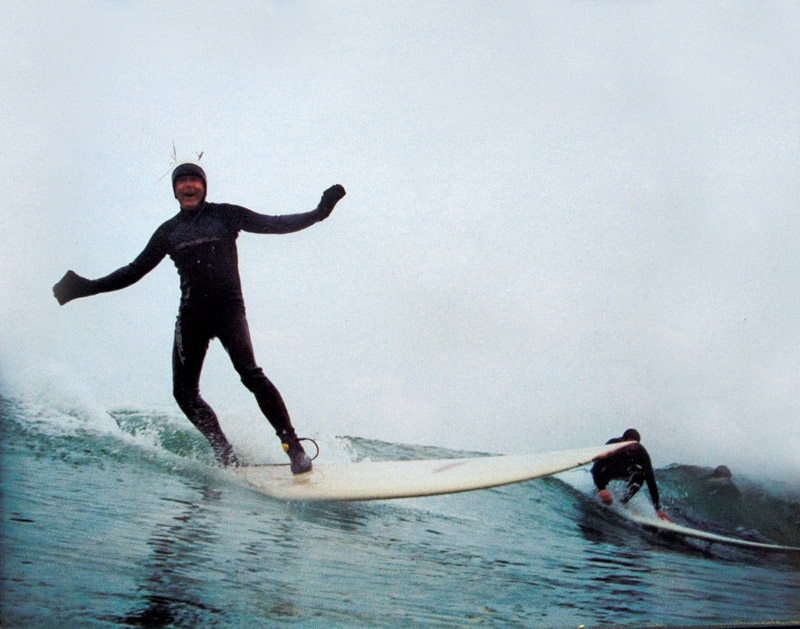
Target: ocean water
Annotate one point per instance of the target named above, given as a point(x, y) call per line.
point(118, 518)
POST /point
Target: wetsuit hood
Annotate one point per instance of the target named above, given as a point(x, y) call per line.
point(189, 169)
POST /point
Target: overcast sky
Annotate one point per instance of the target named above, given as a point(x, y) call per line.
point(563, 219)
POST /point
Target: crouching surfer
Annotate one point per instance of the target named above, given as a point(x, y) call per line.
point(631, 464)
point(201, 240)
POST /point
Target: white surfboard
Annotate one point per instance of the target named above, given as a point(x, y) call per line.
point(380, 480)
point(654, 522)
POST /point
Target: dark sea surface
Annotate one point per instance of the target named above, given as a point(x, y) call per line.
point(118, 518)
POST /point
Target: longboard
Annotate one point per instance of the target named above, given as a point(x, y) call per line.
point(654, 522)
point(380, 480)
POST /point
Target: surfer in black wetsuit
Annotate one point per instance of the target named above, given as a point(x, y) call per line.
point(201, 240)
point(632, 464)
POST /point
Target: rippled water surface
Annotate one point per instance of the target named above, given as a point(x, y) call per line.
point(101, 527)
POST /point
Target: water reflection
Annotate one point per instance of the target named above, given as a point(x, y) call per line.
point(621, 584)
point(344, 516)
point(179, 548)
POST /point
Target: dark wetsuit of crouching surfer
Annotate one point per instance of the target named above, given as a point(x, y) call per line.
point(201, 240)
point(631, 464)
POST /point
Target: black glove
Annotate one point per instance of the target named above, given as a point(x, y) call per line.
point(72, 286)
point(329, 199)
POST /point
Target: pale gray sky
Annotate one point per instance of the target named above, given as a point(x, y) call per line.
point(563, 219)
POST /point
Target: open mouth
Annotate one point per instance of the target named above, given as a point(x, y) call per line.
point(190, 197)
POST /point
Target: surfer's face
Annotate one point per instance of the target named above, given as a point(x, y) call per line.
point(190, 192)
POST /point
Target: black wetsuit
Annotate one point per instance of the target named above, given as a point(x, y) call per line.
point(631, 464)
point(202, 244)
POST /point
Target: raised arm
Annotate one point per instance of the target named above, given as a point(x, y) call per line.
point(253, 222)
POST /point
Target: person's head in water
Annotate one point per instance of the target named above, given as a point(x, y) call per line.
point(721, 471)
point(189, 185)
point(631, 435)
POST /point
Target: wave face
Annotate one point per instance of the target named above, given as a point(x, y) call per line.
point(119, 517)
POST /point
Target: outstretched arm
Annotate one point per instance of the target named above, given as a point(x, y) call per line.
point(73, 286)
point(601, 479)
point(650, 479)
point(253, 222)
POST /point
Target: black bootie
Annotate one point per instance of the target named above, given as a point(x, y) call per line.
point(300, 461)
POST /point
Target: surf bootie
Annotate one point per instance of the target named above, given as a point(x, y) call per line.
point(227, 458)
point(223, 451)
point(300, 461)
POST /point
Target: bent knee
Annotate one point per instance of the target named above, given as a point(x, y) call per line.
point(255, 378)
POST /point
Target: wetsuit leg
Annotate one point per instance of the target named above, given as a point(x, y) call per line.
point(234, 333)
point(635, 483)
point(188, 354)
